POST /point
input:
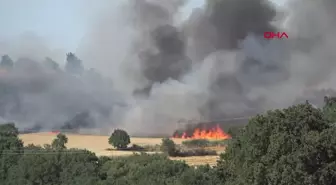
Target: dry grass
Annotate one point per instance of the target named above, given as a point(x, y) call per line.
point(198, 160)
point(99, 144)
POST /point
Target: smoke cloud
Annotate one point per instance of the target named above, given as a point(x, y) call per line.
point(159, 69)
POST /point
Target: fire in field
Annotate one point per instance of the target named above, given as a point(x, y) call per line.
point(214, 132)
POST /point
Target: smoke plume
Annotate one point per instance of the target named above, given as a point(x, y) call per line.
point(214, 65)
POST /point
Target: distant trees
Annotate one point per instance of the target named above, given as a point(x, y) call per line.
point(119, 139)
point(73, 64)
point(6, 62)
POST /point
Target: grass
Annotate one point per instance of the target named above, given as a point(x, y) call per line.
point(99, 145)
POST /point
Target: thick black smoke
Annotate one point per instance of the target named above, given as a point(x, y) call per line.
point(165, 56)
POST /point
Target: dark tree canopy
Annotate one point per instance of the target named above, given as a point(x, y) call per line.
point(119, 139)
point(60, 141)
point(290, 146)
point(329, 109)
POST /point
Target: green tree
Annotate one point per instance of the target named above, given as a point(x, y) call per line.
point(290, 146)
point(202, 175)
point(6, 62)
point(48, 166)
point(59, 142)
point(119, 139)
point(144, 169)
point(10, 148)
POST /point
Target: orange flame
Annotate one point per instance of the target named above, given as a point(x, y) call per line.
point(213, 133)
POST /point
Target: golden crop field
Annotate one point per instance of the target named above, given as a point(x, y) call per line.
point(99, 145)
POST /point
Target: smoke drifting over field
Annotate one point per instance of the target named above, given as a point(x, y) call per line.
point(214, 65)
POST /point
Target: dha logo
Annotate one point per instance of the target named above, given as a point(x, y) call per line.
point(273, 35)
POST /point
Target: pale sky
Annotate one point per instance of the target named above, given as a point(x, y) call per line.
point(63, 22)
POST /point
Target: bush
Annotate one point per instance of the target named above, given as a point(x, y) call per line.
point(221, 143)
point(196, 143)
point(119, 139)
point(168, 147)
point(195, 152)
point(144, 169)
point(134, 147)
point(205, 143)
point(152, 148)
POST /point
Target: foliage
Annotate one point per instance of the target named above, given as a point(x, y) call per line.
point(60, 142)
point(204, 143)
point(10, 148)
point(220, 143)
point(194, 152)
point(152, 148)
point(143, 169)
point(290, 146)
point(235, 130)
point(329, 109)
point(202, 175)
point(44, 166)
point(196, 143)
point(168, 147)
point(119, 139)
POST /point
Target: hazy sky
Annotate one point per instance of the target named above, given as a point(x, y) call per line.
point(62, 22)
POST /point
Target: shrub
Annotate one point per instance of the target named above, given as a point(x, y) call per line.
point(134, 147)
point(196, 143)
point(205, 143)
point(144, 169)
point(221, 143)
point(119, 139)
point(152, 148)
point(195, 152)
point(168, 147)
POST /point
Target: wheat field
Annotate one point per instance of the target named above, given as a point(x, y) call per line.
point(99, 145)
